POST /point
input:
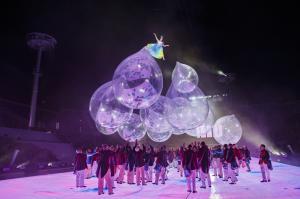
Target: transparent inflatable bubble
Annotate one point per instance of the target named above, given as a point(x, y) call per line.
point(227, 130)
point(184, 78)
point(205, 128)
point(110, 112)
point(159, 136)
point(138, 81)
point(194, 132)
point(155, 117)
point(133, 129)
point(180, 114)
point(106, 131)
point(199, 132)
point(189, 110)
point(95, 100)
point(177, 131)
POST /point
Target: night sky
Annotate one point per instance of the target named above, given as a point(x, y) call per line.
point(257, 42)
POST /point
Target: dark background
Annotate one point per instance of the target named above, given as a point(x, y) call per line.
point(256, 42)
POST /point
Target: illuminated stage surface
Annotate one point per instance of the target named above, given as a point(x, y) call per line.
point(285, 184)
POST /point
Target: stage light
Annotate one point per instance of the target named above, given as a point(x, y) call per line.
point(23, 165)
point(219, 72)
point(283, 153)
point(276, 153)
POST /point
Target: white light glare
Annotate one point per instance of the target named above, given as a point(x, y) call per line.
point(219, 72)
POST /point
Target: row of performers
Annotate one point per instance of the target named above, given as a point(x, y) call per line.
point(112, 163)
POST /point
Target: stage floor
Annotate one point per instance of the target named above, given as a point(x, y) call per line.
point(285, 183)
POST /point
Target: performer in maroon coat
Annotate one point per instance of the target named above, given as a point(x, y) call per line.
point(149, 162)
point(113, 164)
point(180, 159)
point(247, 158)
point(161, 165)
point(171, 156)
point(232, 164)
point(121, 160)
point(190, 166)
point(79, 167)
point(225, 164)
point(265, 163)
point(239, 158)
point(139, 163)
point(130, 164)
point(95, 160)
point(204, 164)
point(105, 170)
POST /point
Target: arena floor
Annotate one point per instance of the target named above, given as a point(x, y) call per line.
point(285, 183)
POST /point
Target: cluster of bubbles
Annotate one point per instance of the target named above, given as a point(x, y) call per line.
point(132, 105)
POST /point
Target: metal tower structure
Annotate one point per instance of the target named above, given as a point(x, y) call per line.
point(40, 42)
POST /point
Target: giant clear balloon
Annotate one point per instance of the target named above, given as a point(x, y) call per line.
point(133, 129)
point(95, 100)
point(110, 112)
point(180, 114)
point(205, 128)
point(106, 131)
point(177, 131)
point(159, 136)
point(196, 132)
point(155, 117)
point(189, 110)
point(138, 81)
point(184, 78)
point(227, 130)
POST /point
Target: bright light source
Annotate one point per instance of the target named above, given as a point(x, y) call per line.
point(219, 72)
point(142, 90)
point(276, 153)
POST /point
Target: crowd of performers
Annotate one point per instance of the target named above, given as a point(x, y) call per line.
point(151, 165)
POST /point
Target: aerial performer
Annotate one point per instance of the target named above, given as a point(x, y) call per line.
point(156, 49)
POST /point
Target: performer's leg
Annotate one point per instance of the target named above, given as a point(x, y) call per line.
point(157, 174)
point(109, 182)
point(188, 181)
point(77, 179)
point(248, 165)
point(163, 175)
point(219, 163)
point(128, 176)
point(100, 184)
point(214, 164)
point(267, 172)
point(231, 174)
point(193, 178)
point(208, 179)
point(143, 175)
point(225, 167)
point(202, 176)
point(150, 171)
point(263, 172)
point(138, 175)
point(81, 178)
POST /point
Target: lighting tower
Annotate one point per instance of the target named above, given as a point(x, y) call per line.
point(40, 42)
